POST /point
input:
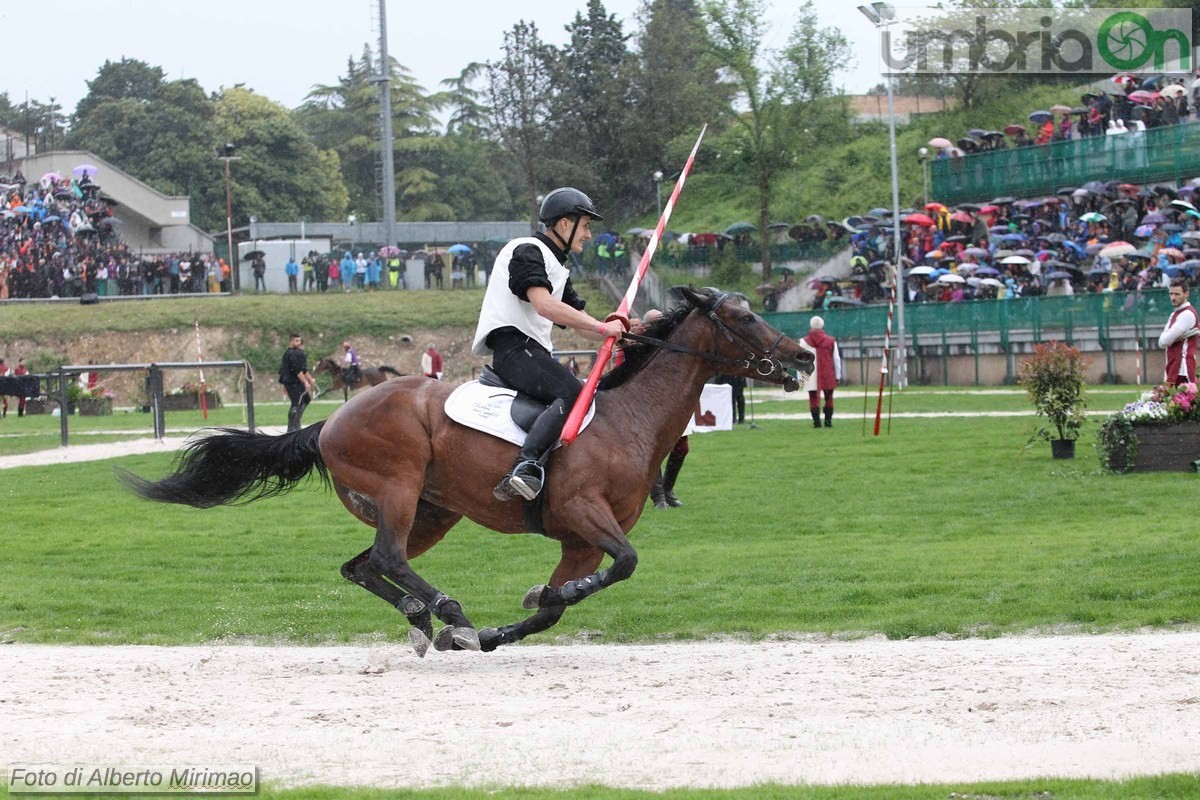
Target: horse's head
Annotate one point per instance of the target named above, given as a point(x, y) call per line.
point(325, 365)
point(753, 348)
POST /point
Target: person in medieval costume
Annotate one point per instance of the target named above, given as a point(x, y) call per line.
point(826, 372)
point(1180, 335)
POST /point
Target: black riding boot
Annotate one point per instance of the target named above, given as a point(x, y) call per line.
point(828, 417)
point(527, 475)
point(674, 464)
point(656, 492)
point(816, 415)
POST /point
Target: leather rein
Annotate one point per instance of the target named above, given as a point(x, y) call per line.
point(766, 365)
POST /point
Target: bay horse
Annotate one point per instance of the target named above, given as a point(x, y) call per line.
point(400, 465)
point(371, 376)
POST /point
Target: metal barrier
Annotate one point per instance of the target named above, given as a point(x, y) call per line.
point(999, 326)
point(154, 380)
point(1168, 153)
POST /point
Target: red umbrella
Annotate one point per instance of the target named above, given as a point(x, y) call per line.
point(934, 207)
point(989, 210)
point(962, 216)
point(1143, 96)
point(1013, 130)
point(919, 219)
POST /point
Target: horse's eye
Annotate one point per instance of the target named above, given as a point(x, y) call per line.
point(748, 318)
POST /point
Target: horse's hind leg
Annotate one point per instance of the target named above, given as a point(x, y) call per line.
point(405, 533)
point(359, 571)
point(578, 559)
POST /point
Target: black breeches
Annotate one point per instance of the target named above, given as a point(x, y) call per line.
point(531, 369)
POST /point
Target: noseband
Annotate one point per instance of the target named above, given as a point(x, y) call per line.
point(766, 365)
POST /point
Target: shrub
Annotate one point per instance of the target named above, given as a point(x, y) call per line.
point(1053, 379)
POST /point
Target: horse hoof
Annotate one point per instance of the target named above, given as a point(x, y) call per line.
point(466, 639)
point(419, 641)
point(444, 640)
point(530, 601)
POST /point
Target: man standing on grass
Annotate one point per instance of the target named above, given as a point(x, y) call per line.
point(827, 370)
point(294, 375)
point(1179, 337)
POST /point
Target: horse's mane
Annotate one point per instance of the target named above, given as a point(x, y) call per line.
point(637, 355)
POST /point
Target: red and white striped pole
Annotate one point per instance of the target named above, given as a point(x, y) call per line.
point(584, 401)
point(203, 387)
point(1138, 358)
point(883, 364)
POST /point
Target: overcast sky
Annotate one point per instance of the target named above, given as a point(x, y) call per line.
point(280, 48)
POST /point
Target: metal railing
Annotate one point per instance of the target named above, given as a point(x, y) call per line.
point(1168, 153)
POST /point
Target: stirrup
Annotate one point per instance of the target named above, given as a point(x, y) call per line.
point(524, 481)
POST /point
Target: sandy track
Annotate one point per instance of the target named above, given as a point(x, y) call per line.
point(653, 716)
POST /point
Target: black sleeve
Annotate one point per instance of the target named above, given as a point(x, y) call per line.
point(526, 270)
point(570, 298)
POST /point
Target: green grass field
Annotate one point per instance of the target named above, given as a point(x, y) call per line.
point(947, 525)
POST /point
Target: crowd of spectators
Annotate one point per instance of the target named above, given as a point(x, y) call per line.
point(1101, 237)
point(1134, 106)
point(59, 238)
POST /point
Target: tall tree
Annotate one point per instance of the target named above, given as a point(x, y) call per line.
point(782, 91)
point(592, 109)
point(127, 79)
point(519, 92)
point(679, 88)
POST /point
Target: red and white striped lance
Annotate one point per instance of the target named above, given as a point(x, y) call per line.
point(584, 401)
point(1138, 358)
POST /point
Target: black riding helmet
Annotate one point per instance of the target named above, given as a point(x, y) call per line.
point(567, 202)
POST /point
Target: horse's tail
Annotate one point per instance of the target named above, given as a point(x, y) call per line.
point(392, 371)
point(234, 466)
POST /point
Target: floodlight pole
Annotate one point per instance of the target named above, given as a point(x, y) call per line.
point(385, 113)
point(228, 156)
point(882, 16)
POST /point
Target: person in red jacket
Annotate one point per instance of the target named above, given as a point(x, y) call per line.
point(18, 371)
point(1180, 335)
point(431, 363)
point(827, 370)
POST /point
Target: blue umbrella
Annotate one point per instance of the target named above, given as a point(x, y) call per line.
point(987, 271)
point(1076, 247)
point(459, 248)
point(52, 218)
point(22, 209)
point(1013, 237)
point(1054, 276)
point(1041, 116)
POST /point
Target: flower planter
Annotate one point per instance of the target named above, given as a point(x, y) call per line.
point(95, 407)
point(1062, 448)
point(1166, 448)
point(190, 401)
point(35, 406)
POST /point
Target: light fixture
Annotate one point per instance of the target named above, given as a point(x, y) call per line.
point(871, 14)
point(886, 11)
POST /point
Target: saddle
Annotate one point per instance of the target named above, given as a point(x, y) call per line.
point(492, 406)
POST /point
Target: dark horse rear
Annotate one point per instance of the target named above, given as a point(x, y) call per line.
point(234, 466)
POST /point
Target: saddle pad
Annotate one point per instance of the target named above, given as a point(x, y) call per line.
point(487, 409)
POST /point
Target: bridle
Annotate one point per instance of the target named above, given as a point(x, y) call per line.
point(766, 365)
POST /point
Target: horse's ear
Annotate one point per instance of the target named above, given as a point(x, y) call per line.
point(695, 298)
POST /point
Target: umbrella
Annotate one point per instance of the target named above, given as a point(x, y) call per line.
point(635, 231)
point(950, 277)
point(1059, 276)
point(989, 209)
point(109, 201)
point(991, 282)
point(1015, 260)
point(1097, 271)
point(1013, 130)
point(1171, 253)
point(1182, 205)
point(84, 229)
point(1190, 266)
point(1113, 249)
point(962, 216)
point(993, 135)
point(387, 251)
point(968, 145)
point(1093, 216)
point(976, 133)
point(1000, 201)
point(1174, 90)
point(824, 279)
point(921, 271)
point(1060, 109)
point(1142, 96)
point(780, 226)
point(110, 221)
point(1144, 231)
point(51, 176)
point(1075, 247)
point(22, 209)
point(1040, 117)
point(1153, 218)
point(1013, 237)
point(935, 207)
point(940, 142)
point(1055, 238)
point(52, 218)
point(84, 169)
point(987, 271)
point(816, 219)
point(1172, 227)
point(842, 301)
point(977, 252)
point(739, 227)
point(1123, 79)
point(254, 254)
point(919, 219)
point(459, 248)
point(1152, 82)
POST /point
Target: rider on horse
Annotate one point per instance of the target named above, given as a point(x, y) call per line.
point(351, 371)
point(528, 293)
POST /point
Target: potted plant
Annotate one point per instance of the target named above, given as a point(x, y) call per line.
point(75, 393)
point(97, 403)
point(1158, 431)
point(1053, 378)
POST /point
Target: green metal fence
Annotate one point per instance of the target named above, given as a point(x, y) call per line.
point(1141, 315)
point(1169, 153)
